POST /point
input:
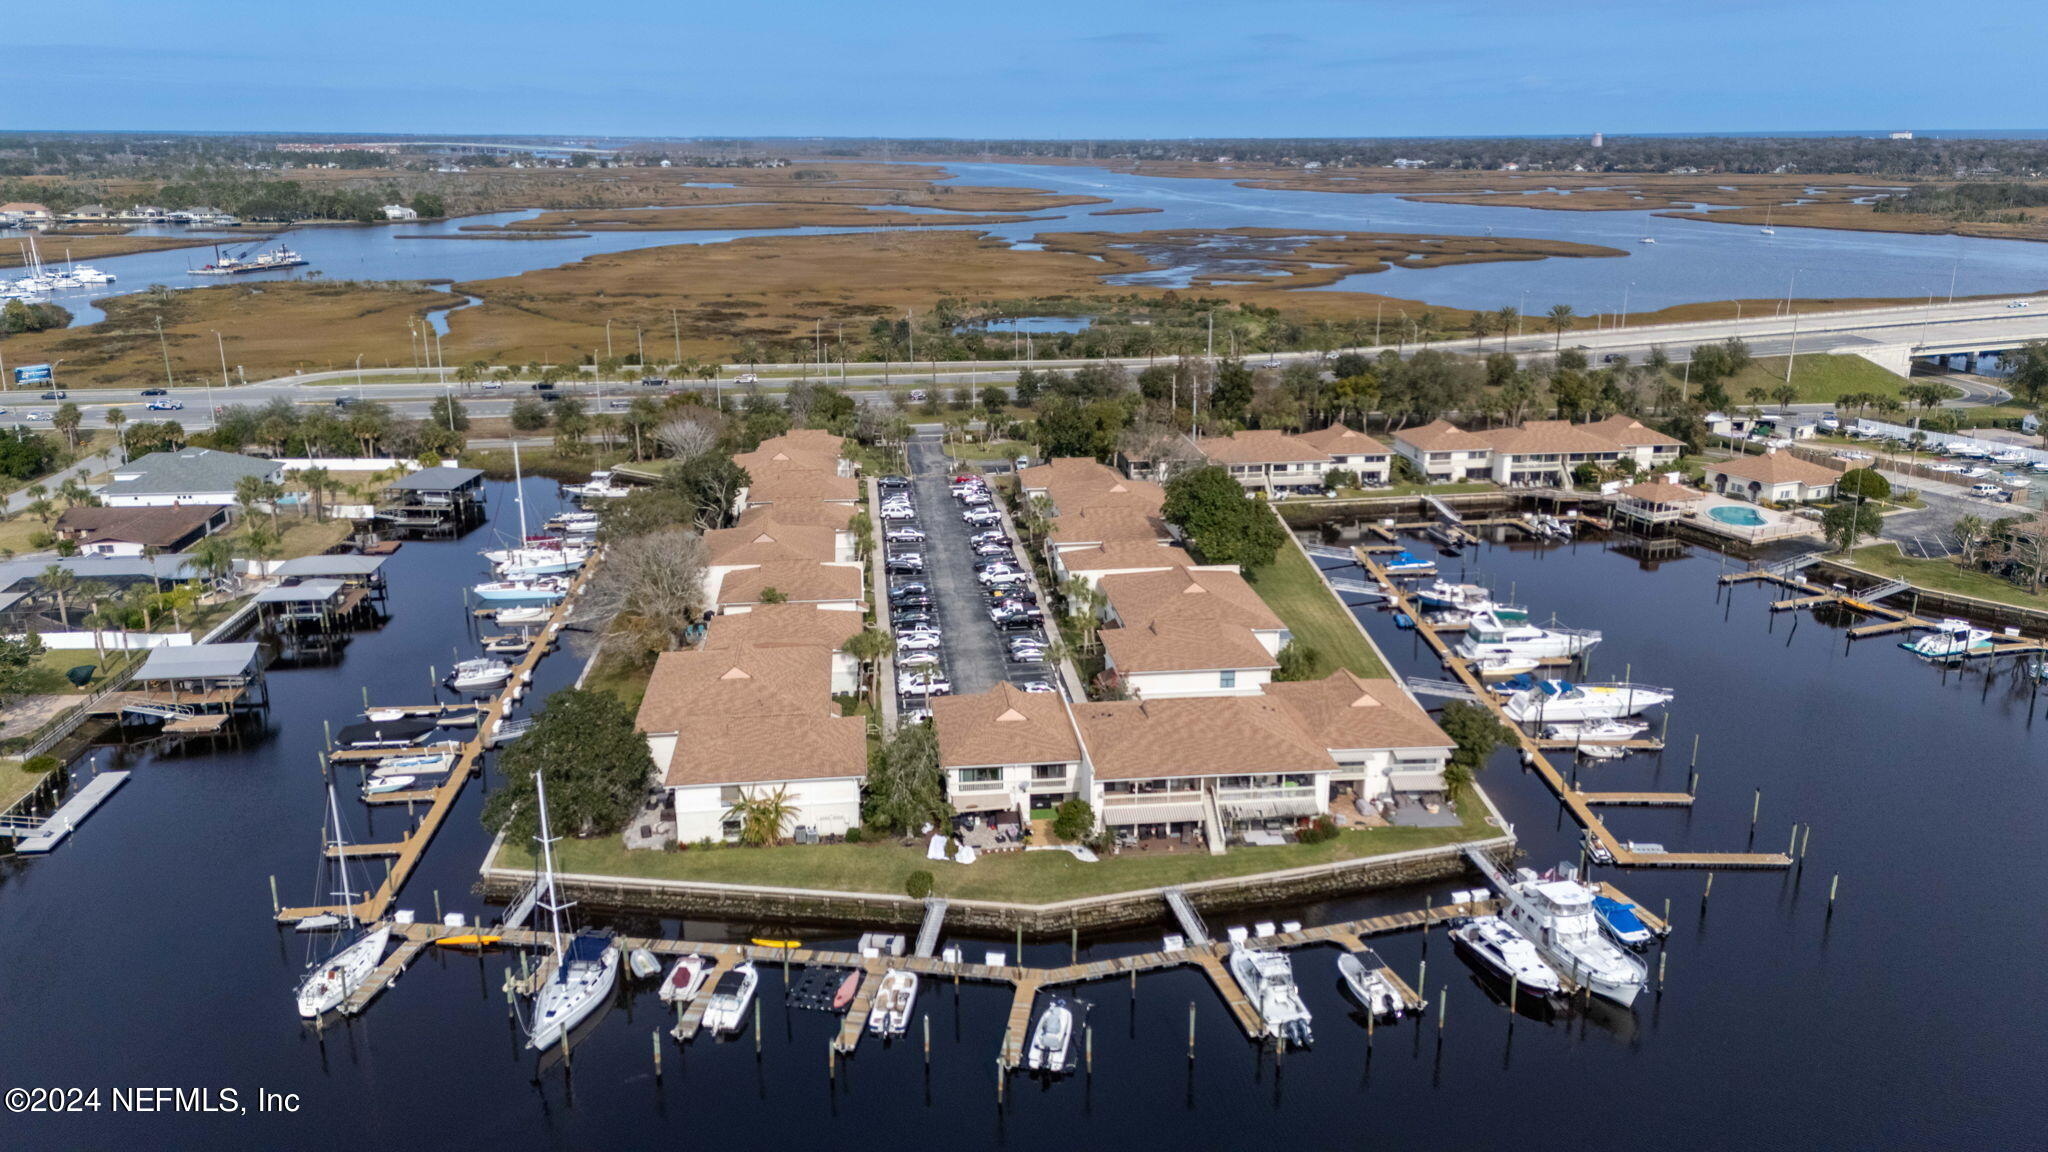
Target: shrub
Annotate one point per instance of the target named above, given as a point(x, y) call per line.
point(918, 885)
point(853, 835)
point(1320, 830)
point(41, 765)
point(1864, 482)
point(1586, 475)
point(1073, 820)
point(1340, 478)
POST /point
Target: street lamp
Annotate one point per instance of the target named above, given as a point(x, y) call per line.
point(220, 346)
point(359, 374)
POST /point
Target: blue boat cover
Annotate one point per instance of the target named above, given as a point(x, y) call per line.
point(1619, 916)
point(586, 947)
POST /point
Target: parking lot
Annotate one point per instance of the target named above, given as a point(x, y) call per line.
point(969, 652)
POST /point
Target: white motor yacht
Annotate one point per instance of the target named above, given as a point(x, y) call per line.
point(1487, 635)
point(1596, 731)
point(1557, 916)
point(1950, 639)
point(1268, 982)
point(1490, 944)
point(727, 1012)
point(479, 675)
point(1561, 701)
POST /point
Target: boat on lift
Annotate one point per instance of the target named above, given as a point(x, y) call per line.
point(1596, 731)
point(1952, 638)
point(727, 1012)
point(1406, 563)
point(542, 588)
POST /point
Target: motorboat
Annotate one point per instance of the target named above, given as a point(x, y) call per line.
point(1620, 919)
point(584, 967)
point(1405, 563)
point(511, 645)
point(529, 614)
point(1052, 1038)
point(1951, 638)
point(1556, 915)
point(543, 588)
point(1488, 634)
point(574, 523)
point(331, 980)
point(1558, 701)
point(685, 979)
point(1448, 596)
point(1596, 731)
point(1596, 849)
point(1495, 948)
point(479, 675)
point(1370, 982)
point(727, 1012)
point(1267, 978)
point(598, 487)
point(1505, 665)
point(459, 717)
point(423, 764)
point(398, 732)
point(894, 999)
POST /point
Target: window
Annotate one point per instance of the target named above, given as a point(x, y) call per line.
point(1227, 678)
point(1043, 772)
point(980, 775)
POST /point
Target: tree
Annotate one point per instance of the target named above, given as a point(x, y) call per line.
point(687, 438)
point(1846, 521)
point(918, 884)
point(59, 581)
point(319, 482)
point(1865, 482)
point(214, 556)
point(597, 769)
point(1232, 392)
point(529, 415)
point(2029, 367)
point(19, 673)
point(1971, 532)
point(1222, 522)
point(870, 646)
point(1508, 318)
point(67, 421)
point(762, 816)
point(116, 419)
point(651, 590)
point(774, 596)
point(1073, 820)
point(1559, 320)
point(448, 412)
point(1474, 734)
point(1301, 661)
point(905, 789)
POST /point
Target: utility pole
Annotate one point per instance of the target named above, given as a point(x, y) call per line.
point(676, 320)
point(161, 343)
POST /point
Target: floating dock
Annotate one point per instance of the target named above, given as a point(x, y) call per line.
point(51, 830)
point(1867, 602)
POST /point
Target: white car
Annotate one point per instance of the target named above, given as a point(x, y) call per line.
point(898, 514)
point(493, 385)
point(1036, 686)
point(917, 642)
point(982, 516)
point(1001, 579)
point(917, 396)
point(39, 415)
point(918, 660)
point(2017, 304)
point(746, 378)
point(934, 685)
point(165, 406)
point(903, 535)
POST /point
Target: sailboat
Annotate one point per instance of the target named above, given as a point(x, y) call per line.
point(331, 981)
point(1767, 229)
point(527, 572)
point(585, 966)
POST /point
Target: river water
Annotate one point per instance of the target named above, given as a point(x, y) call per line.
point(1691, 261)
point(141, 953)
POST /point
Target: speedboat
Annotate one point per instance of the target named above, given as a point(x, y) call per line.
point(1561, 700)
point(1487, 634)
point(1405, 563)
point(1505, 665)
point(545, 588)
point(425, 764)
point(1621, 922)
point(727, 1012)
point(598, 487)
point(685, 979)
point(1267, 979)
point(479, 675)
point(1557, 917)
point(523, 615)
point(1452, 597)
point(1365, 974)
point(1052, 1038)
point(1495, 948)
point(890, 1013)
point(1950, 638)
point(387, 784)
point(1596, 731)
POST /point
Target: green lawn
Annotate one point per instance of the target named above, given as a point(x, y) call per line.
point(999, 450)
point(620, 679)
point(1820, 379)
point(1029, 877)
point(15, 781)
point(1294, 590)
point(1942, 576)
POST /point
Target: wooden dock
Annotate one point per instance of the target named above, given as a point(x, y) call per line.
point(441, 799)
point(1890, 621)
point(1533, 755)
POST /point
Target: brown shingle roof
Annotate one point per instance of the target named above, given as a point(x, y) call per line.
point(1005, 726)
point(1078, 483)
point(807, 440)
point(1169, 645)
point(788, 457)
point(1342, 440)
point(1776, 468)
point(1659, 492)
point(1196, 736)
point(767, 544)
point(1259, 447)
point(1215, 598)
point(1105, 525)
point(780, 482)
point(1442, 436)
point(1125, 555)
point(1546, 437)
point(758, 750)
point(1345, 710)
point(1630, 432)
point(758, 714)
point(801, 512)
point(800, 580)
point(783, 626)
point(150, 527)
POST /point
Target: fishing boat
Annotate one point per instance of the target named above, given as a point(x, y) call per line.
point(479, 675)
point(685, 979)
point(1405, 563)
point(1444, 595)
point(1371, 983)
point(1596, 731)
point(1488, 634)
point(385, 785)
point(543, 588)
point(521, 615)
point(1619, 918)
point(330, 981)
point(598, 487)
point(1493, 947)
point(584, 967)
point(1556, 914)
point(1951, 638)
point(573, 523)
point(729, 999)
point(1052, 1038)
point(842, 997)
point(421, 764)
point(894, 999)
point(1560, 701)
point(1505, 665)
point(1267, 979)
point(642, 964)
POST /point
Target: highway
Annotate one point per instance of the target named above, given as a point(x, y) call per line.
point(1900, 332)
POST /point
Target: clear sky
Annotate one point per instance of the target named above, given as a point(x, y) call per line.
point(1043, 68)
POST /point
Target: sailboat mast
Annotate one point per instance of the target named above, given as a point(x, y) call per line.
point(547, 863)
point(340, 857)
point(519, 492)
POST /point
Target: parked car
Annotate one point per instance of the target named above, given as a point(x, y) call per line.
point(909, 588)
point(898, 514)
point(913, 603)
point(1036, 686)
point(903, 535)
point(904, 567)
point(917, 642)
point(991, 550)
point(904, 620)
point(893, 482)
point(917, 396)
point(982, 517)
point(914, 684)
point(1001, 579)
point(59, 394)
point(918, 660)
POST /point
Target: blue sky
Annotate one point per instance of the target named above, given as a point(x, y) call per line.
point(1056, 68)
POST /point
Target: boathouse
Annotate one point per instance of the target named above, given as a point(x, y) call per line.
point(434, 501)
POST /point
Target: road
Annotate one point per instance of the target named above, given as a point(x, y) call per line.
point(1974, 325)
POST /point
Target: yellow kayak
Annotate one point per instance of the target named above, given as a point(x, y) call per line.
point(469, 940)
point(760, 943)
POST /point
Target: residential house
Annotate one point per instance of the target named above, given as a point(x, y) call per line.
point(1094, 527)
point(1269, 461)
point(1189, 632)
point(1381, 740)
point(832, 586)
point(1443, 452)
point(1777, 477)
point(727, 726)
point(23, 213)
point(1354, 452)
point(783, 483)
point(134, 530)
point(1546, 452)
point(88, 214)
point(1174, 766)
point(1080, 483)
point(792, 626)
point(187, 476)
point(1090, 564)
point(1007, 750)
point(399, 212)
point(1652, 450)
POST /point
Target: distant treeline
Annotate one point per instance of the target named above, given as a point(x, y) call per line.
point(1979, 202)
point(1737, 154)
point(246, 195)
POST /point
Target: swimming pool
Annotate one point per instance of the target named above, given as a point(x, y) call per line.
point(1740, 517)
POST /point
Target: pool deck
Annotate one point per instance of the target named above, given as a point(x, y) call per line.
point(1775, 525)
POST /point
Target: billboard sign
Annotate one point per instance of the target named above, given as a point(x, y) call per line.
point(32, 374)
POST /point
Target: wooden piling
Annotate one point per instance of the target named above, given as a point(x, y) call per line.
point(1695, 761)
point(438, 918)
point(1755, 806)
point(1708, 891)
point(1191, 1031)
point(1661, 957)
point(1088, 1046)
point(656, 1037)
point(1805, 838)
point(927, 1021)
point(274, 905)
point(1443, 1007)
point(1833, 883)
point(1074, 947)
point(1793, 846)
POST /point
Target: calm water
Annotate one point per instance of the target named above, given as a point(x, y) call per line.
point(141, 952)
point(1691, 261)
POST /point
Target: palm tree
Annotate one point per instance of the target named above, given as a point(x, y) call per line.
point(214, 556)
point(116, 419)
point(869, 646)
point(1508, 317)
point(1970, 534)
point(67, 421)
point(318, 482)
point(259, 544)
point(1559, 320)
point(1481, 324)
point(763, 817)
point(59, 581)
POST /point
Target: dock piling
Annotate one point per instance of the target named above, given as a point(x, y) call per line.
point(1661, 957)
point(274, 905)
point(1805, 838)
point(1191, 1031)
point(927, 1021)
point(1833, 882)
point(1707, 891)
point(656, 1037)
point(1755, 806)
point(438, 918)
point(1088, 1046)
point(1794, 845)
point(1443, 1007)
